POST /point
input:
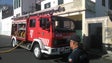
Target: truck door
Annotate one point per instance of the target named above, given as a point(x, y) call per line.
point(32, 28)
point(45, 30)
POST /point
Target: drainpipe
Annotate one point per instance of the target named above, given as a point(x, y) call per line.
point(83, 18)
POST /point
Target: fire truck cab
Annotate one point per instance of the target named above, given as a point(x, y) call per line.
point(43, 34)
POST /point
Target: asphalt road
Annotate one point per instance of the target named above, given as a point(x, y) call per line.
point(21, 55)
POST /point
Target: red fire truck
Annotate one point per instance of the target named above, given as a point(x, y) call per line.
point(43, 34)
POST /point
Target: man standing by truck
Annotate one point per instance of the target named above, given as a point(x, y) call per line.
point(78, 55)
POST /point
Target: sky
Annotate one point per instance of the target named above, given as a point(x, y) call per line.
point(6, 2)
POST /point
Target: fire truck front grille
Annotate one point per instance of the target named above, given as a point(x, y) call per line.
point(60, 42)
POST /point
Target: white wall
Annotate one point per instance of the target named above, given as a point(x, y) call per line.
point(53, 3)
point(93, 0)
point(101, 10)
point(6, 26)
point(67, 1)
point(18, 11)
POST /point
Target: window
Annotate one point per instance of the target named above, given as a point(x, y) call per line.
point(16, 3)
point(43, 22)
point(38, 7)
point(60, 2)
point(47, 5)
point(32, 22)
point(103, 2)
point(17, 15)
point(110, 4)
point(63, 24)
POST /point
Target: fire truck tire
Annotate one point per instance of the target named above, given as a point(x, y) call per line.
point(37, 51)
point(13, 43)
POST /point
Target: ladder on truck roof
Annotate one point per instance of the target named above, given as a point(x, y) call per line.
point(42, 12)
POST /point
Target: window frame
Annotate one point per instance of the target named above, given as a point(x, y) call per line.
point(103, 3)
point(32, 23)
point(43, 22)
point(110, 4)
point(47, 5)
point(17, 3)
point(60, 2)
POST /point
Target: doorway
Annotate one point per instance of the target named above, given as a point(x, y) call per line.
point(95, 35)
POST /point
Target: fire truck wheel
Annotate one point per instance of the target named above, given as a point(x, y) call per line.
point(14, 43)
point(37, 51)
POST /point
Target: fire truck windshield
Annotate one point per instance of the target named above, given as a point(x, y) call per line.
point(63, 24)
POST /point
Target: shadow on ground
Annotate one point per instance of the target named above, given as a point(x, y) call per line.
point(57, 58)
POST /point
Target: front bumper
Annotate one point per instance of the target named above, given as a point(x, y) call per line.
point(56, 51)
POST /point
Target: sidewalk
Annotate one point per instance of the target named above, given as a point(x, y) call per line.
point(108, 56)
point(100, 56)
point(100, 60)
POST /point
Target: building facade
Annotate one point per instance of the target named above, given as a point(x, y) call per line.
point(5, 19)
point(98, 23)
point(102, 8)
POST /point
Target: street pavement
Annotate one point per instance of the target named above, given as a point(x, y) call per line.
point(21, 55)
